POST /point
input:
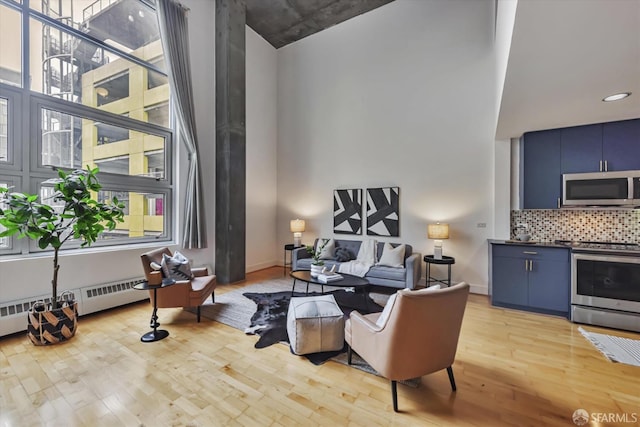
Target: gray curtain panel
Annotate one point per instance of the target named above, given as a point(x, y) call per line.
point(172, 20)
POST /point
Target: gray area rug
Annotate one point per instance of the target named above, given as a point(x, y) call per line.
point(616, 349)
point(234, 309)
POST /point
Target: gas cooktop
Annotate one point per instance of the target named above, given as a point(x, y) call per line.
point(600, 246)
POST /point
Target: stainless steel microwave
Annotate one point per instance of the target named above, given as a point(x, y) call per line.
point(621, 188)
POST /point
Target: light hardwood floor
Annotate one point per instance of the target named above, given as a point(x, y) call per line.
point(512, 368)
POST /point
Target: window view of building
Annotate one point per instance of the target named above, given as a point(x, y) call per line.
point(98, 90)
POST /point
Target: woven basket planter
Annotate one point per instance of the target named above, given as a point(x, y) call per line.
point(47, 327)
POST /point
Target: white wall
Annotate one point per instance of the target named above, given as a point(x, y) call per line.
point(401, 96)
point(262, 138)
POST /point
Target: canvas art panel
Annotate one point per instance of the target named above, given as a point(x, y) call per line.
point(383, 208)
point(347, 211)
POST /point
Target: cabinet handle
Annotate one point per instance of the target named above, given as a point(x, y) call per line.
point(530, 265)
point(526, 265)
point(558, 202)
point(601, 166)
point(606, 166)
point(530, 252)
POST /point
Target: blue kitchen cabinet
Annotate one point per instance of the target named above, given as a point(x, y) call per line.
point(510, 282)
point(531, 278)
point(621, 145)
point(581, 149)
point(613, 146)
point(541, 176)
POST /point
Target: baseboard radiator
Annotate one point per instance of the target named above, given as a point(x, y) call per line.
point(13, 314)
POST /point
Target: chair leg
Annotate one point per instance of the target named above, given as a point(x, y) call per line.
point(394, 395)
point(213, 297)
point(451, 379)
point(198, 313)
point(348, 354)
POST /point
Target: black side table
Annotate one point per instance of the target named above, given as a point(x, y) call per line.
point(288, 247)
point(446, 260)
point(155, 335)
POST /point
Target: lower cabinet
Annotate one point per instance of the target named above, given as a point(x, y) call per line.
point(531, 278)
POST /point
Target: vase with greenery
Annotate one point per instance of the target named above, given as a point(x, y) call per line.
point(71, 213)
point(317, 264)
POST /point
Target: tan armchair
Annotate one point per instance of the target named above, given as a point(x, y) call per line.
point(419, 337)
point(185, 293)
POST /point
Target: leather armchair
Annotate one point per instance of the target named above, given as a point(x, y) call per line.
point(184, 293)
point(419, 337)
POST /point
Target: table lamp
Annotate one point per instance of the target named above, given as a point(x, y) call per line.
point(438, 232)
point(297, 227)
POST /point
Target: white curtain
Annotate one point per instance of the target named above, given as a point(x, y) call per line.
point(172, 20)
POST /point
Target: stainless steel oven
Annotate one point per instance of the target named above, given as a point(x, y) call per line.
point(605, 289)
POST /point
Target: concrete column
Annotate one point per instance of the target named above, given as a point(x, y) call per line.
point(230, 141)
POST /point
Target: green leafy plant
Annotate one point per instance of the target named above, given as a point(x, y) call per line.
point(315, 255)
point(73, 214)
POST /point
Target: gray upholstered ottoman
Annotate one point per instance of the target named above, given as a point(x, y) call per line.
point(315, 324)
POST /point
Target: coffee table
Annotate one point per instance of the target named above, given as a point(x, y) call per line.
point(348, 281)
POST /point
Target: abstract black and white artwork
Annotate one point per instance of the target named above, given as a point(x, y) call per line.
point(383, 211)
point(347, 211)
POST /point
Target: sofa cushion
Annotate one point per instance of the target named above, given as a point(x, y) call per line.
point(392, 257)
point(328, 250)
point(391, 273)
point(408, 249)
point(176, 267)
point(344, 255)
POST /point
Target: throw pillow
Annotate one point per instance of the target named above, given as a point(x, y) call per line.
point(343, 255)
point(392, 257)
point(176, 267)
point(432, 288)
point(328, 249)
point(386, 311)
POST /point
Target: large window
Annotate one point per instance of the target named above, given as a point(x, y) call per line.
point(96, 95)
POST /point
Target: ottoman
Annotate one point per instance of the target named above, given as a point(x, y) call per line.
point(315, 324)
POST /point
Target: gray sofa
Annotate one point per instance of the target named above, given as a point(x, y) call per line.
point(406, 277)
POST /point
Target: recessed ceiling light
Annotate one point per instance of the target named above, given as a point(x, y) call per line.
point(617, 97)
point(102, 91)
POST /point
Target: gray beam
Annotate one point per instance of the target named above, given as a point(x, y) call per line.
point(230, 141)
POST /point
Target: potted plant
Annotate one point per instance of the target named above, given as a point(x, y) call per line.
point(73, 214)
point(317, 264)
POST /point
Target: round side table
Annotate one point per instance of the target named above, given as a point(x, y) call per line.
point(446, 260)
point(156, 334)
point(288, 247)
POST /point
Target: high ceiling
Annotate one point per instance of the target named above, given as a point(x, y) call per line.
point(281, 22)
point(565, 57)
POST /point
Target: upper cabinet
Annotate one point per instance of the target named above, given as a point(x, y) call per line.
point(581, 149)
point(603, 147)
point(621, 145)
point(540, 174)
point(546, 155)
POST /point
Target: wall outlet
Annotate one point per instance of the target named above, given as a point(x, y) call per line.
point(482, 225)
point(522, 225)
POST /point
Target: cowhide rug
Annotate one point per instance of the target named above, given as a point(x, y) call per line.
point(270, 319)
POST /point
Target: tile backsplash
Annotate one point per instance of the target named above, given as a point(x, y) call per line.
point(595, 225)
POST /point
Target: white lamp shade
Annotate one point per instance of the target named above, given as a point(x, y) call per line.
point(297, 225)
point(438, 231)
